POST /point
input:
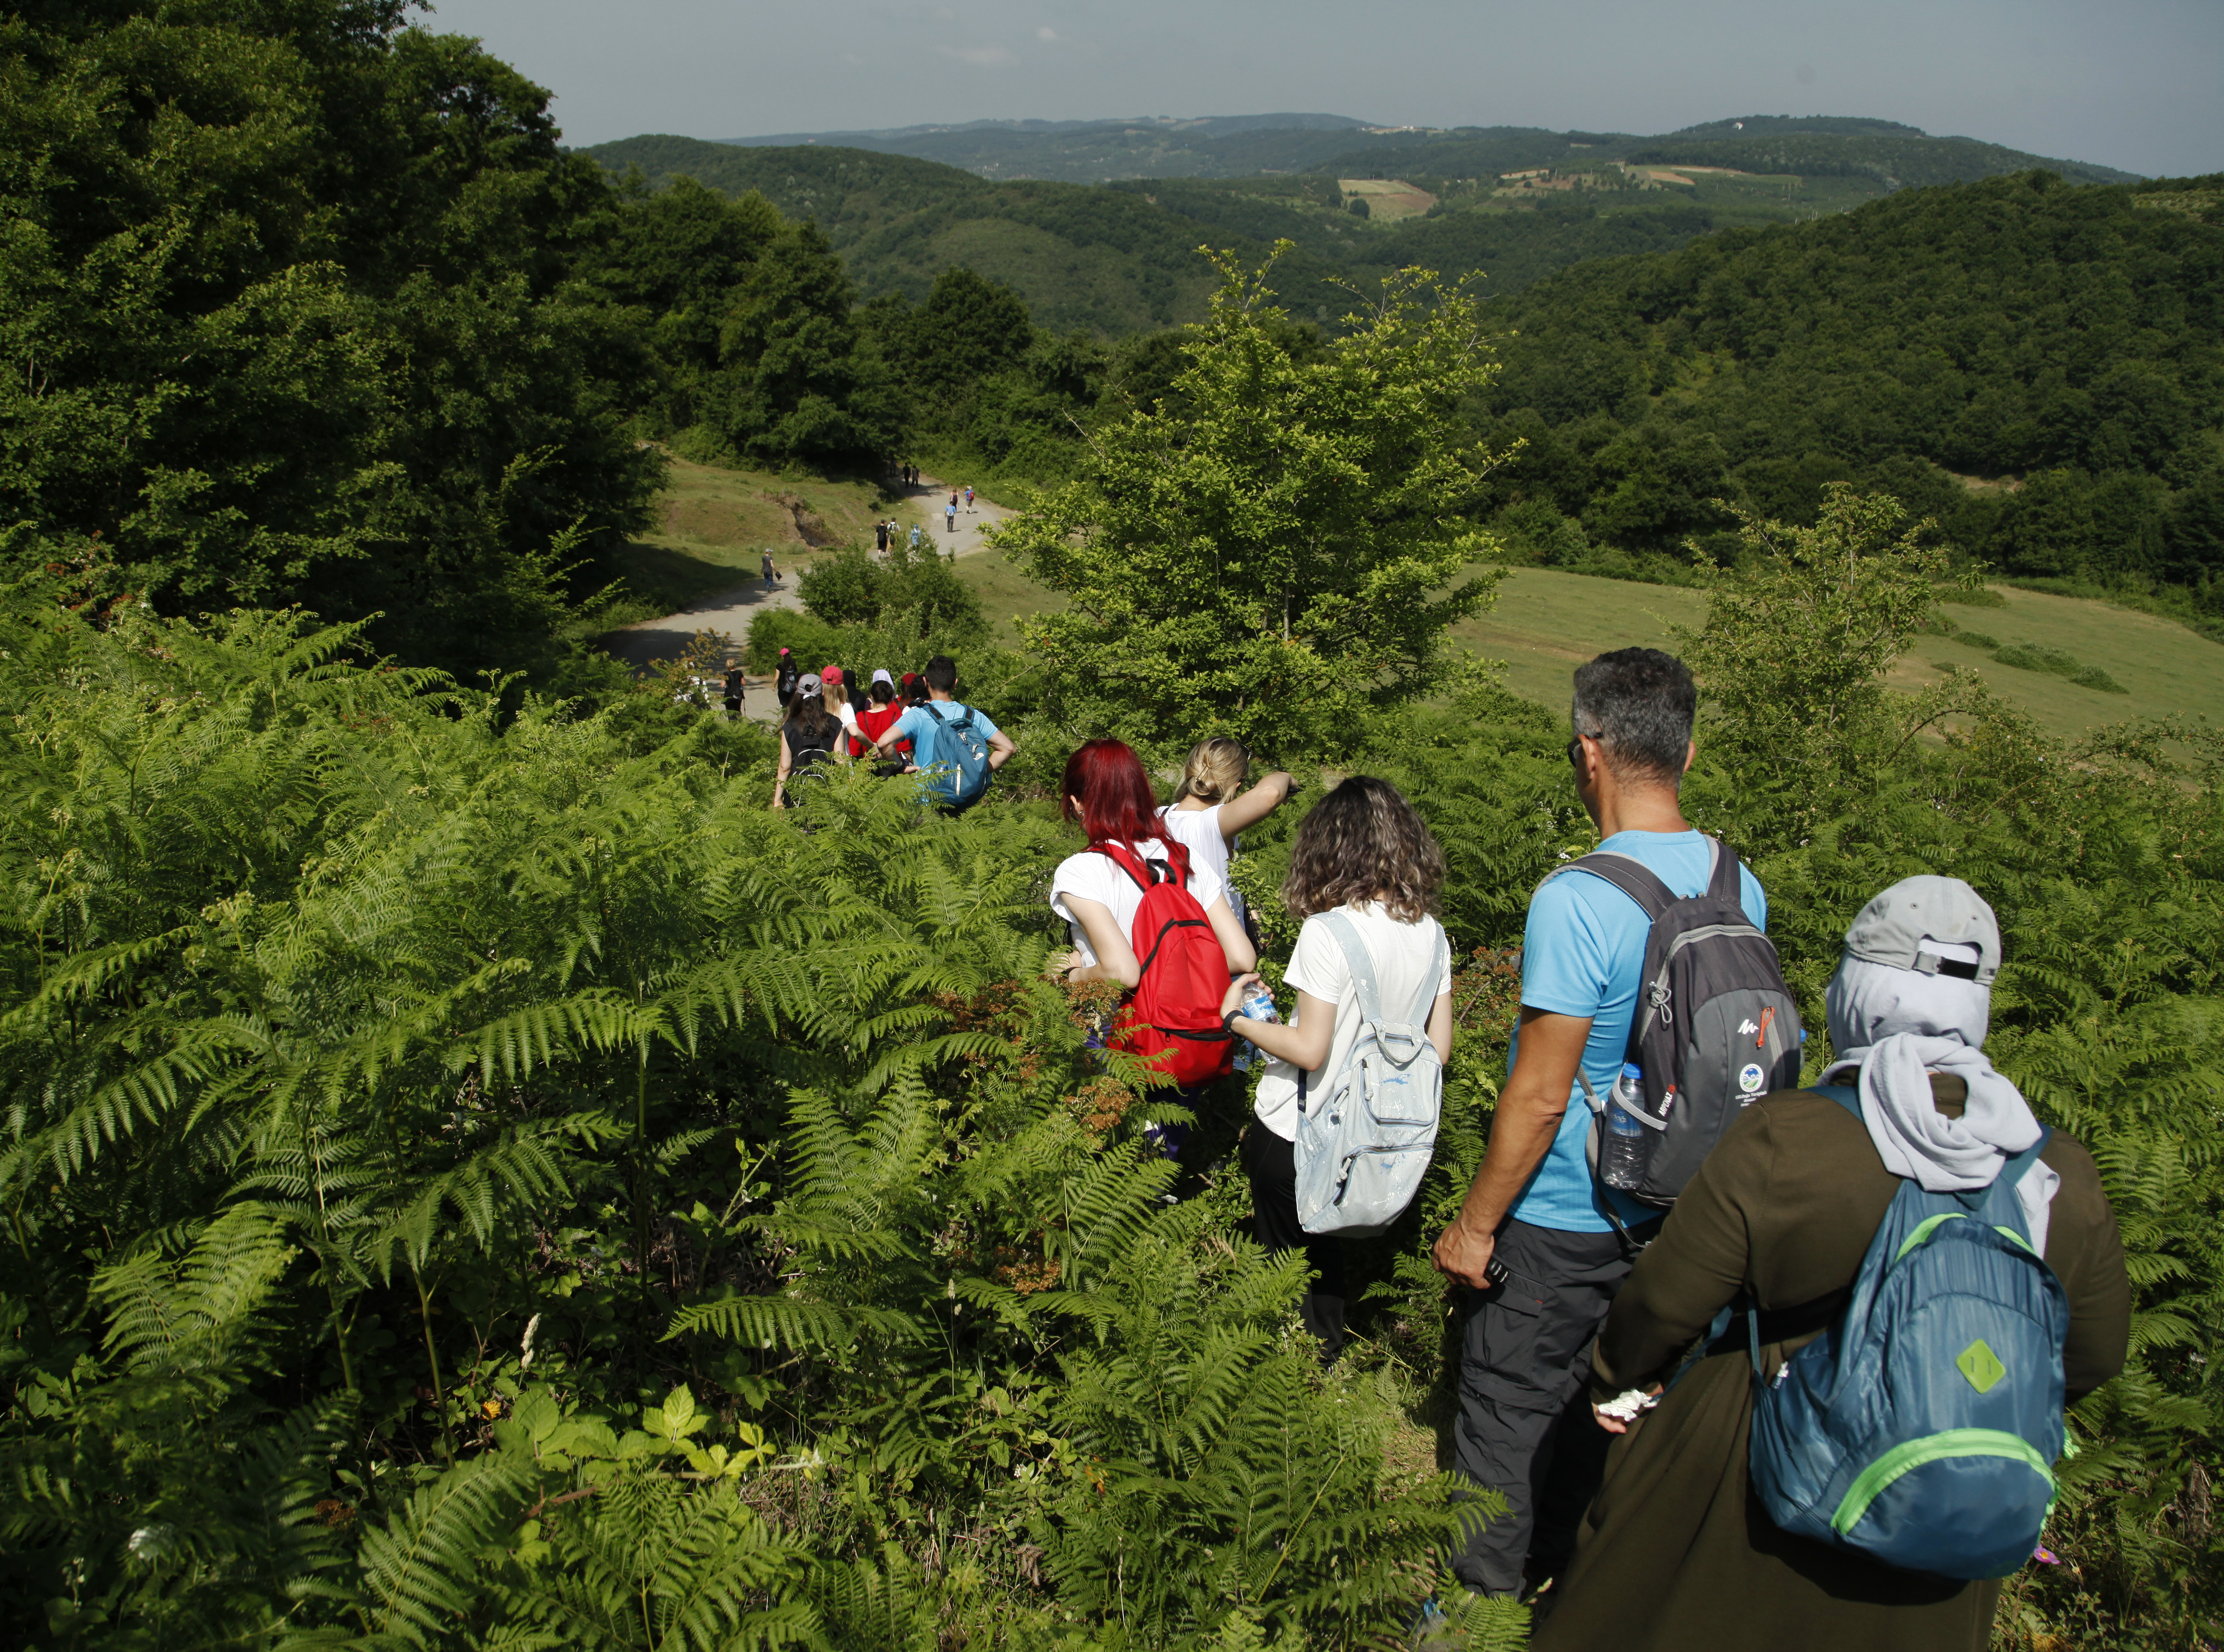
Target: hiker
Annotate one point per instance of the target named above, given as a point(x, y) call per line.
point(784, 684)
point(957, 745)
point(1783, 1213)
point(880, 536)
point(1207, 812)
point(1535, 1207)
point(1363, 864)
point(950, 514)
point(771, 574)
point(1100, 892)
point(914, 536)
point(810, 738)
point(876, 720)
point(912, 690)
point(969, 498)
point(737, 686)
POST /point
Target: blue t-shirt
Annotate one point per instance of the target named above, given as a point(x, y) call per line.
point(921, 725)
point(1583, 954)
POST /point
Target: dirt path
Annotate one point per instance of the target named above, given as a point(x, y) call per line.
point(729, 612)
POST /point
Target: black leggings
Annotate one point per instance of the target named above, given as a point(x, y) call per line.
point(1272, 1164)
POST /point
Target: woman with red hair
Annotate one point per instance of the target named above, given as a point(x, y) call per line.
point(1107, 791)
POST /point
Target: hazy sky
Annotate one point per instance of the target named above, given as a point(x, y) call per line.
point(2136, 84)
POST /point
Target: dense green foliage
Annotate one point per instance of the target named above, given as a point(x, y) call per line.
point(287, 304)
point(304, 305)
point(476, 1178)
point(1263, 553)
point(2069, 338)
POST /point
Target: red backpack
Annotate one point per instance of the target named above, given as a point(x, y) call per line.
point(1172, 1017)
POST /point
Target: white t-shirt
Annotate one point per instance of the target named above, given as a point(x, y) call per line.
point(1099, 877)
point(1198, 831)
point(1402, 954)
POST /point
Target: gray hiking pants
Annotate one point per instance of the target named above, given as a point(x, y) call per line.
point(1524, 1429)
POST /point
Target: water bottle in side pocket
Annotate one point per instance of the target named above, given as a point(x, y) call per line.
point(1628, 1143)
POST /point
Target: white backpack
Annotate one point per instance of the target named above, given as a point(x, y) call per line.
point(1366, 1134)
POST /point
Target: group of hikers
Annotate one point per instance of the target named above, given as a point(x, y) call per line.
point(829, 717)
point(1749, 1365)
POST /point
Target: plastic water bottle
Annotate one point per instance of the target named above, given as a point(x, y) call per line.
point(1628, 1144)
point(1258, 1006)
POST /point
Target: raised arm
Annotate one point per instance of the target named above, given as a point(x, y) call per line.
point(1254, 805)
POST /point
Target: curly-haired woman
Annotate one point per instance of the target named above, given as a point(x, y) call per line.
point(1363, 852)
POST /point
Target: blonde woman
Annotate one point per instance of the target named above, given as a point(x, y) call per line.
point(1210, 807)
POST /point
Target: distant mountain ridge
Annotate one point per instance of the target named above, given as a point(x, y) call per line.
point(1120, 257)
point(1236, 146)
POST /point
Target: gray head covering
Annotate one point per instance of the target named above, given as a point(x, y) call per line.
point(1898, 1022)
point(810, 685)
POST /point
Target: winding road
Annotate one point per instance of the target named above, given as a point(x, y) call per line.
point(729, 612)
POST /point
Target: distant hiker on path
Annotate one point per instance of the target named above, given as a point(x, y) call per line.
point(771, 574)
point(950, 513)
point(880, 536)
point(960, 748)
point(969, 497)
point(784, 685)
point(811, 738)
point(914, 536)
point(736, 686)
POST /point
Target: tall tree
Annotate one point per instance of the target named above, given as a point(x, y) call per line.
point(1266, 551)
point(287, 303)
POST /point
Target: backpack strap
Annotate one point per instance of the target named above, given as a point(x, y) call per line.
point(1845, 1095)
point(1723, 882)
point(1630, 876)
point(1145, 873)
point(1356, 960)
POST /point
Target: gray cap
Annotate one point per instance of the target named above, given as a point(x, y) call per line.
point(1892, 928)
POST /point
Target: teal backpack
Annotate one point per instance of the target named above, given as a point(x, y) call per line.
point(958, 768)
point(1922, 1430)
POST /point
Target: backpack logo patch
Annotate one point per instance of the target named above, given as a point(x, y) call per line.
point(1751, 1077)
point(1981, 1366)
point(1748, 1026)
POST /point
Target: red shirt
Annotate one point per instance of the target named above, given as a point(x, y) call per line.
point(874, 724)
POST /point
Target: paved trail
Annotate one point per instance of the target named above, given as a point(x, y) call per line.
point(729, 612)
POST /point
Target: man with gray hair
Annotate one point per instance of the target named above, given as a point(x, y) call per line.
point(1536, 1242)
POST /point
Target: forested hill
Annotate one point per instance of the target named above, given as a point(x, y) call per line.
point(1089, 152)
point(1512, 203)
point(2059, 349)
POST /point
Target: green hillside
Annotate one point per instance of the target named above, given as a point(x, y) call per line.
point(1012, 200)
point(2039, 366)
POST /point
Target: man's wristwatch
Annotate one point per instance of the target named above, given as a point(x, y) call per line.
point(1228, 1022)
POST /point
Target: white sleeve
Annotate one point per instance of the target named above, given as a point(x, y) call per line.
point(1084, 874)
point(1204, 883)
point(1444, 984)
point(1316, 963)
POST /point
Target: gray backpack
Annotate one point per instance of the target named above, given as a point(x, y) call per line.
point(1365, 1134)
point(1715, 1027)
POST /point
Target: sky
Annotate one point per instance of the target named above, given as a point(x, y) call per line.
point(2134, 83)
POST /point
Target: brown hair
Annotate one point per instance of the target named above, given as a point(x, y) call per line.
point(1364, 842)
point(1215, 771)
